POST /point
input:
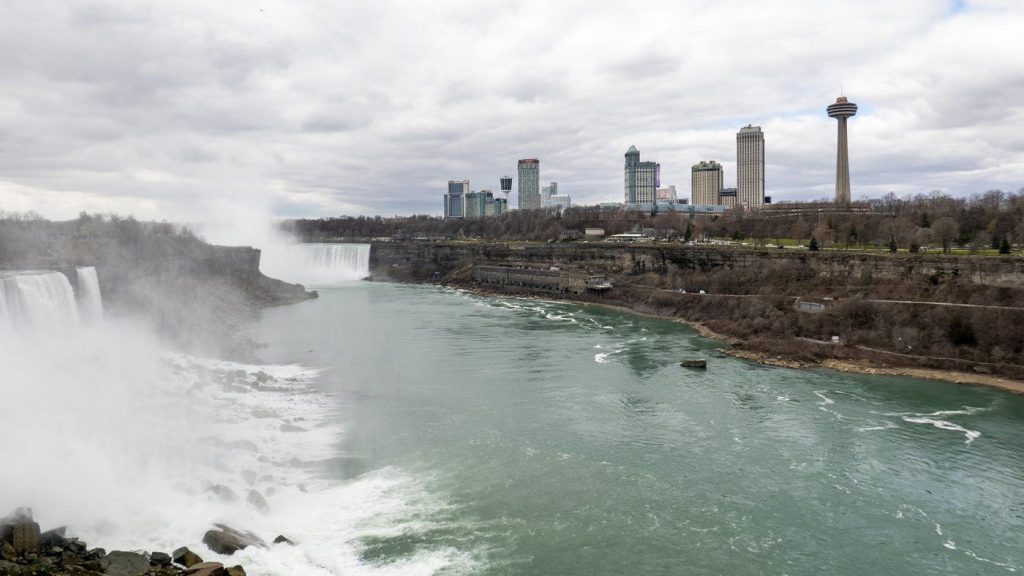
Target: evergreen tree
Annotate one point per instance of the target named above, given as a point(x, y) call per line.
point(1004, 248)
point(813, 246)
point(688, 234)
point(892, 245)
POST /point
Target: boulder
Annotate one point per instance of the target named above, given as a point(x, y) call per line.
point(56, 537)
point(20, 531)
point(207, 569)
point(186, 557)
point(159, 559)
point(125, 564)
point(282, 539)
point(236, 571)
point(257, 501)
point(227, 540)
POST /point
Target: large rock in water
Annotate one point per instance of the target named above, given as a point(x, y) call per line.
point(207, 569)
point(227, 540)
point(186, 557)
point(20, 531)
point(126, 564)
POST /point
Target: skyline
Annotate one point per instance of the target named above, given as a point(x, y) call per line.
point(177, 111)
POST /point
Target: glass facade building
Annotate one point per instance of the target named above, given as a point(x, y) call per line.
point(529, 184)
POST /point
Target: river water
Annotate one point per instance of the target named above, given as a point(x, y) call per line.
point(507, 436)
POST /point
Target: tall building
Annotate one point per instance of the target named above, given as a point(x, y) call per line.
point(750, 166)
point(706, 181)
point(529, 184)
point(667, 194)
point(641, 178)
point(455, 199)
point(727, 197)
point(506, 187)
point(483, 203)
point(842, 110)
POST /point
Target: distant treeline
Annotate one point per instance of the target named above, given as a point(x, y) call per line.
point(994, 219)
point(29, 238)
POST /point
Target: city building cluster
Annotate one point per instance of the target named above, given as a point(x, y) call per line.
point(707, 177)
point(461, 202)
point(642, 181)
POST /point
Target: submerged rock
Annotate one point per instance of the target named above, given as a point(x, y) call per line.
point(227, 540)
point(223, 492)
point(257, 501)
point(282, 539)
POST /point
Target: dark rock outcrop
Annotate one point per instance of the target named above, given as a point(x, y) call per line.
point(227, 540)
point(20, 531)
point(186, 557)
point(126, 564)
point(207, 569)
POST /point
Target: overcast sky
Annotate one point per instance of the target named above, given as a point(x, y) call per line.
point(179, 109)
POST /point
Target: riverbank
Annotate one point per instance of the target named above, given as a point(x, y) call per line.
point(25, 551)
point(737, 347)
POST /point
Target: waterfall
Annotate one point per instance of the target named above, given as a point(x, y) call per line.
point(316, 264)
point(90, 301)
point(37, 299)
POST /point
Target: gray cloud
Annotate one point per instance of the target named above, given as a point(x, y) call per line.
point(167, 109)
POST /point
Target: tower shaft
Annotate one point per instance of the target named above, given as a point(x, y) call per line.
point(842, 166)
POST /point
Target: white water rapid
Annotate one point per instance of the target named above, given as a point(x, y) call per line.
point(316, 264)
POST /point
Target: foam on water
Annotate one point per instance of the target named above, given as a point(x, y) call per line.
point(135, 448)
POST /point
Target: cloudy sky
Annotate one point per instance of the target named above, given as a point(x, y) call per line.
point(179, 109)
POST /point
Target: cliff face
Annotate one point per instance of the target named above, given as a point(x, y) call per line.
point(789, 272)
point(916, 310)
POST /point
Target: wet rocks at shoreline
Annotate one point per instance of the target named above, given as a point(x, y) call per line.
point(25, 551)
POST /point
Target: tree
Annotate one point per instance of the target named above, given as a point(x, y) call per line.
point(813, 246)
point(689, 233)
point(946, 230)
point(892, 245)
point(1004, 248)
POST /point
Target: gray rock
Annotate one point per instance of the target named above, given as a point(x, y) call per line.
point(207, 569)
point(56, 537)
point(236, 571)
point(256, 500)
point(227, 540)
point(282, 539)
point(186, 557)
point(159, 559)
point(126, 564)
point(223, 492)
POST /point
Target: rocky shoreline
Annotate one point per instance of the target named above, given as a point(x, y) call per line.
point(735, 347)
point(25, 551)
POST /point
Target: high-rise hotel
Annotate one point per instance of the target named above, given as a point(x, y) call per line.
point(750, 166)
point(641, 178)
point(529, 184)
point(706, 182)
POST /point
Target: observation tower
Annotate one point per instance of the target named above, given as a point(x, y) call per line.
point(842, 110)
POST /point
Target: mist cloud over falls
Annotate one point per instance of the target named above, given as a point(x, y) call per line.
point(319, 108)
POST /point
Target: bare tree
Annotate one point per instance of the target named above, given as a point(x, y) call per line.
point(946, 231)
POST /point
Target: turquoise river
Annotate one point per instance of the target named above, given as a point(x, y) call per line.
point(551, 438)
